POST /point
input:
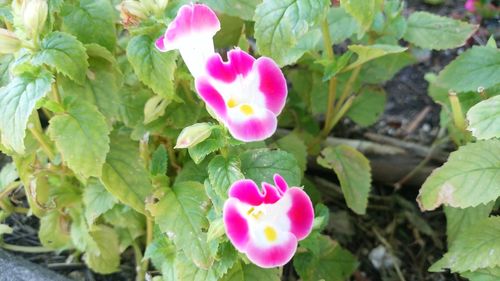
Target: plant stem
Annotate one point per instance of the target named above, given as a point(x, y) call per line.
point(327, 40)
point(9, 188)
point(55, 92)
point(26, 249)
point(341, 112)
point(332, 92)
point(42, 141)
point(456, 108)
point(139, 264)
point(348, 87)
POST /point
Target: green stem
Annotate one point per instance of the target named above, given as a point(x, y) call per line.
point(9, 188)
point(348, 87)
point(332, 92)
point(456, 108)
point(55, 93)
point(327, 40)
point(342, 111)
point(42, 141)
point(26, 249)
point(139, 264)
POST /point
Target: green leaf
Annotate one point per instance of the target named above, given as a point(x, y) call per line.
point(367, 107)
point(105, 258)
point(429, 31)
point(474, 68)
point(280, 24)
point(162, 253)
point(185, 269)
point(459, 220)
point(294, 144)
point(331, 263)
point(487, 274)
point(231, 31)
point(222, 173)
point(193, 172)
point(124, 174)
point(17, 101)
point(341, 24)
point(382, 69)
point(484, 119)
point(354, 173)
point(470, 177)
point(5, 61)
point(81, 135)
point(54, 230)
point(155, 69)
point(214, 142)
point(93, 21)
point(66, 54)
point(250, 272)
point(260, 165)
point(8, 174)
point(159, 161)
point(243, 9)
point(363, 11)
point(475, 248)
point(180, 213)
point(97, 200)
point(368, 53)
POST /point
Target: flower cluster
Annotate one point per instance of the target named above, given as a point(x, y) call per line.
point(246, 95)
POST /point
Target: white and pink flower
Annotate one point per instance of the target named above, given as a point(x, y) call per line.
point(191, 32)
point(245, 93)
point(267, 225)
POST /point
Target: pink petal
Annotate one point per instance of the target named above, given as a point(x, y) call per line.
point(271, 193)
point(301, 213)
point(211, 96)
point(280, 183)
point(235, 224)
point(160, 44)
point(247, 192)
point(194, 18)
point(272, 84)
point(272, 256)
point(255, 128)
point(238, 62)
point(470, 6)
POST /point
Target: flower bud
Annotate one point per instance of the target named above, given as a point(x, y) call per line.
point(34, 16)
point(193, 135)
point(9, 43)
point(132, 12)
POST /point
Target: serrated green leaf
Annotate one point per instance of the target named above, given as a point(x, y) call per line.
point(193, 172)
point(185, 269)
point(54, 230)
point(96, 200)
point(429, 31)
point(231, 30)
point(470, 177)
point(354, 173)
point(341, 24)
point(371, 52)
point(363, 11)
point(105, 258)
point(222, 173)
point(487, 274)
point(459, 220)
point(249, 272)
point(214, 142)
point(93, 21)
point(331, 263)
point(475, 248)
point(367, 107)
point(5, 61)
point(159, 161)
point(65, 53)
point(243, 9)
point(8, 174)
point(280, 24)
point(294, 144)
point(155, 69)
point(162, 253)
point(180, 213)
point(484, 119)
point(81, 135)
point(124, 174)
point(216, 229)
point(260, 165)
point(474, 68)
point(17, 101)
point(382, 69)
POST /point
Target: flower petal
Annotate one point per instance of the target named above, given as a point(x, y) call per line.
point(235, 224)
point(246, 191)
point(256, 127)
point(301, 213)
point(280, 183)
point(211, 96)
point(277, 254)
point(271, 193)
point(239, 63)
point(272, 84)
point(191, 20)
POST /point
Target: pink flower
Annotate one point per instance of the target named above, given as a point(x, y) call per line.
point(267, 225)
point(470, 5)
point(246, 94)
point(191, 32)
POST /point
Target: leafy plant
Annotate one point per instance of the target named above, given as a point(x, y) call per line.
point(115, 148)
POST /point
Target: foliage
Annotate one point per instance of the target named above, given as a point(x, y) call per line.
point(103, 174)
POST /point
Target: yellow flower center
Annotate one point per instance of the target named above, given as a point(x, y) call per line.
point(270, 234)
point(231, 103)
point(246, 109)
